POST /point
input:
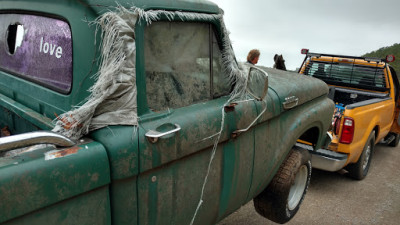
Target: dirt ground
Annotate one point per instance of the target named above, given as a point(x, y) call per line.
point(334, 198)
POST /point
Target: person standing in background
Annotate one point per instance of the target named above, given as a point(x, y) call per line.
point(253, 56)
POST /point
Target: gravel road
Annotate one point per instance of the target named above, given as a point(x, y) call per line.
point(334, 198)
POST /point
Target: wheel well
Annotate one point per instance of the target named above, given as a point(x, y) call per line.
point(311, 136)
point(376, 129)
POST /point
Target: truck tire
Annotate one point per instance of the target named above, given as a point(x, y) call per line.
point(359, 170)
point(395, 142)
point(281, 199)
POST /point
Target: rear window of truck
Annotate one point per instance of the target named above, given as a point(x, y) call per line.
point(345, 74)
point(38, 49)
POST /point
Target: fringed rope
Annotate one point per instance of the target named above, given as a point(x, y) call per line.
point(113, 97)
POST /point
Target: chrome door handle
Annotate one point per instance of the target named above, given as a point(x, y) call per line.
point(153, 135)
point(290, 102)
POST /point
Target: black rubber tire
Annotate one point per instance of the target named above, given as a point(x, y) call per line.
point(273, 202)
point(395, 142)
point(359, 170)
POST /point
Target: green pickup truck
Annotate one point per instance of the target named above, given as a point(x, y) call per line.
point(136, 112)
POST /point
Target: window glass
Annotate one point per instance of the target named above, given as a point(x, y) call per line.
point(221, 84)
point(179, 70)
point(177, 61)
point(368, 77)
point(38, 49)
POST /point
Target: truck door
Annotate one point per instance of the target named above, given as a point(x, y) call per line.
point(182, 92)
point(396, 86)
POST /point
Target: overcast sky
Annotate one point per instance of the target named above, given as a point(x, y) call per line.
point(346, 27)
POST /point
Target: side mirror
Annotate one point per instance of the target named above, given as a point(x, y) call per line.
point(257, 83)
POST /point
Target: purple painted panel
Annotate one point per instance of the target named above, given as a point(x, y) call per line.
point(38, 49)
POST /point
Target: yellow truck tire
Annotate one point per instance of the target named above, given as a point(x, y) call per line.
point(281, 199)
point(359, 170)
point(395, 142)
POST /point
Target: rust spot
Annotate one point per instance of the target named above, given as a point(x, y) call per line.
point(95, 177)
point(68, 123)
point(231, 107)
point(235, 134)
point(61, 153)
point(152, 139)
point(5, 132)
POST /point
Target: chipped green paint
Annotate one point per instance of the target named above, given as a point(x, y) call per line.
point(270, 154)
point(121, 145)
point(70, 211)
point(34, 183)
point(26, 113)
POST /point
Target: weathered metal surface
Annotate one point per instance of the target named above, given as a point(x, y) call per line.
point(22, 111)
point(287, 84)
point(121, 144)
point(124, 201)
point(237, 166)
point(91, 208)
point(286, 128)
point(179, 163)
point(61, 153)
point(171, 197)
point(32, 183)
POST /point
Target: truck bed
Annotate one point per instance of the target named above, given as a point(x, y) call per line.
point(351, 98)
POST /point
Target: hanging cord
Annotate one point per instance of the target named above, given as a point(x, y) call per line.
point(214, 150)
point(209, 165)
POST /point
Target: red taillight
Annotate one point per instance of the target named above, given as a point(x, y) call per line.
point(304, 51)
point(347, 131)
point(390, 58)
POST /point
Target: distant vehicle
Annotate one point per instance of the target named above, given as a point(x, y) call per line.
point(366, 95)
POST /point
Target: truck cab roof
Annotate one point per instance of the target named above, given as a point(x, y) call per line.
point(346, 60)
point(202, 6)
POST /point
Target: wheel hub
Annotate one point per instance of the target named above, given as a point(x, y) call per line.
point(297, 189)
point(366, 158)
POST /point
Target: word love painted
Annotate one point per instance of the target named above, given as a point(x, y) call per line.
point(50, 49)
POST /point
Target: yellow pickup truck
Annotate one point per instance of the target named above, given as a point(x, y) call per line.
point(366, 95)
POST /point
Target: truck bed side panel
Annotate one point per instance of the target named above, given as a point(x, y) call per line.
point(378, 115)
point(92, 208)
point(38, 179)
